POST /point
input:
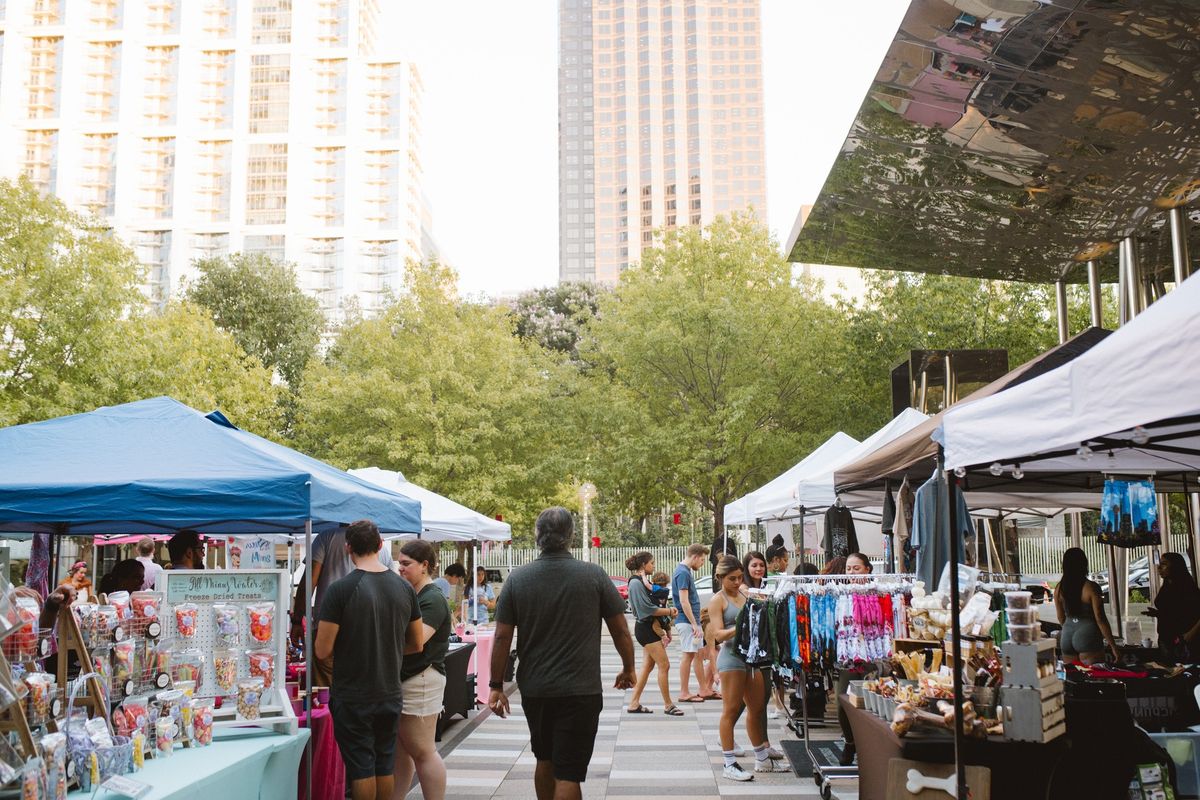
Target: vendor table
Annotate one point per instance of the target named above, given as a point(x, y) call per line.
point(240, 763)
point(329, 773)
point(481, 660)
point(877, 745)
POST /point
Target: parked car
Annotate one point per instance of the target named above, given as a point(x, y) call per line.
point(704, 589)
point(622, 585)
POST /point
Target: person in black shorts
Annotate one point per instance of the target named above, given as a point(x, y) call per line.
point(557, 603)
point(369, 620)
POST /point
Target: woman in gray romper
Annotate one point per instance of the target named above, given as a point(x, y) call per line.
point(1085, 628)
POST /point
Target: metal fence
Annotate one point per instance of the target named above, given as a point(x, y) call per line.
point(611, 558)
point(1041, 556)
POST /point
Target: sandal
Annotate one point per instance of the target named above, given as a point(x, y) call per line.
point(674, 711)
point(695, 698)
point(640, 710)
point(713, 696)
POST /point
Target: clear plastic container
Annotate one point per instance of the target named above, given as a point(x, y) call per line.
point(1022, 616)
point(1023, 634)
point(249, 698)
point(1018, 599)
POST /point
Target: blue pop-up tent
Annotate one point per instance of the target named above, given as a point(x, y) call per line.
point(157, 466)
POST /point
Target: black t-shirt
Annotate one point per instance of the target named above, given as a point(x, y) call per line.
point(372, 611)
point(436, 614)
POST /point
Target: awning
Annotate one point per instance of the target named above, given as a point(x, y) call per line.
point(442, 519)
point(778, 498)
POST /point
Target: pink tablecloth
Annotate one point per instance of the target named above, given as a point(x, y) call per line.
point(481, 661)
point(329, 773)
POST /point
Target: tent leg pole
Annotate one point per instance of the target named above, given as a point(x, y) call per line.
point(956, 633)
point(1193, 508)
point(1094, 297)
point(1179, 244)
point(1060, 306)
point(310, 661)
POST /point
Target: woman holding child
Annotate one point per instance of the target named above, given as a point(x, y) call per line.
point(652, 631)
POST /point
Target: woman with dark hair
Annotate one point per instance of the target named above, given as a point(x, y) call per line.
point(857, 564)
point(835, 566)
point(126, 576)
point(423, 675)
point(644, 611)
point(777, 557)
point(722, 545)
point(754, 570)
point(1085, 627)
point(806, 568)
point(1177, 608)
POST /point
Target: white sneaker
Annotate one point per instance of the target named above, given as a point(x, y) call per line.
point(767, 765)
point(734, 772)
point(774, 755)
point(738, 751)
point(773, 714)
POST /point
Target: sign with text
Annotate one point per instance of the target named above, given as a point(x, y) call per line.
point(254, 552)
point(211, 587)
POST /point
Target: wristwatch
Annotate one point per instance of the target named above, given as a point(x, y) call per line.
point(496, 685)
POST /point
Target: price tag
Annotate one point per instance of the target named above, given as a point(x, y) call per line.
point(153, 630)
point(126, 786)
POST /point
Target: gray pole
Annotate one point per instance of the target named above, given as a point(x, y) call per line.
point(1094, 294)
point(1179, 244)
point(1060, 305)
point(1194, 505)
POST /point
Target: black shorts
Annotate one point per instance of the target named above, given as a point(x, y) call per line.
point(643, 631)
point(366, 736)
point(562, 730)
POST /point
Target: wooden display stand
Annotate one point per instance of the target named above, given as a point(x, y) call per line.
point(70, 640)
point(12, 717)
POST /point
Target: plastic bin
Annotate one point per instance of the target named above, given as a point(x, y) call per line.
point(1182, 747)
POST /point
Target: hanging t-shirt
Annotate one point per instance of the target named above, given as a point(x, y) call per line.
point(840, 537)
point(903, 526)
point(929, 513)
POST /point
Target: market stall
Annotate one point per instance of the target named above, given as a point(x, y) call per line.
point(157, 466)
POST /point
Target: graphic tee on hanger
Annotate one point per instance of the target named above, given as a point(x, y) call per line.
point(1129, 514)
point(840, 537)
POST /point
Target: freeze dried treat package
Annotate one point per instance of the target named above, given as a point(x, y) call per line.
point(186, 615)
point(249, 699)
point(225, 664)
point(262, 665)
point(227, 621)
point(262, 621)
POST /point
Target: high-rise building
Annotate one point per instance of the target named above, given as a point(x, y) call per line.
point(660, 106)
point(207, 127)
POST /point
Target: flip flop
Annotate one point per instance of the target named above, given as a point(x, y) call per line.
point(674, 711)
point(713, 696)
point(692, 699)
point(639, 710)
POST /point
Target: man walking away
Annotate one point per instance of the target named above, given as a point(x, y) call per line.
point(369, 620)
point(557, 603)
point(687, 625)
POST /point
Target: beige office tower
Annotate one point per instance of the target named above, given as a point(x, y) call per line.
point(203, 127)
point(660, 124)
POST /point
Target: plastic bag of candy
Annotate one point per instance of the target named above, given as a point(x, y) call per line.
point(249, 699)
point(262, 665)
point(22, 644)
point(124, 661)
point(145, 606)
point(122, 603)
point(187, 665)
point(225, 667)
point(262, 621)
point(202, 722)
point(227, 621)
point(186, 615)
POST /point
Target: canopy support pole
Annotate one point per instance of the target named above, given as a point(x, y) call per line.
point(1094, 295)
point(956, 634)
point(1060, 306)
point(1179, 244)
point(1193, 507)
point(309, 660)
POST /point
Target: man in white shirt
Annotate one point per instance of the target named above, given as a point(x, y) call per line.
point(145, 549)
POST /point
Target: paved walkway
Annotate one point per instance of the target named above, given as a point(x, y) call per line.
point(636, 756)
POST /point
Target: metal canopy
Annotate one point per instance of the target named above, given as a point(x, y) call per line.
point(1014, 139)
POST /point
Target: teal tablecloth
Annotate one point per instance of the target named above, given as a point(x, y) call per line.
point(239, 765)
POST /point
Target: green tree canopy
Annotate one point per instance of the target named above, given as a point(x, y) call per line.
point(723, 369)
point(257, 299)
point(557, 317)
point(65, 285)
point(443, 391)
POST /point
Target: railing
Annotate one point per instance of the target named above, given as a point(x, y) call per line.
point(1041, 556)
point(611, 558)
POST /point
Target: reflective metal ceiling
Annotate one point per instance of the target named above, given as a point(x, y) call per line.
point(1015, 139)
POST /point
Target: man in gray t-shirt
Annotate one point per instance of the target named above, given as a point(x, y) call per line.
point(557, 603)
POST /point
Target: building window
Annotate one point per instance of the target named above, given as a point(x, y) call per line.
point(329, 189)
point(380, 272)
point(158, 176)
point(41, 159)
point(266, 184)
point(220, 19)
point(271, 246)
point(153, 250)
point(383, 100)
point(331, 96)
point(270, 80)
point(98, 187)
point(106, 15)
point(271, 22)
point(47, 12)
point(210, 245)
point(162, 16)
point(324, 271)
point(216, 86)
point(102, 80)
point(382, 188)
point(214, 179)
point(333, 22)
point(45, 76)
point(162, 70)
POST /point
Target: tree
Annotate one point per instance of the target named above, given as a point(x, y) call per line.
point(443, 391)
point(722, 368)
point(556, 317)
point(181, 352)
point(257, 299)
point(65, 285)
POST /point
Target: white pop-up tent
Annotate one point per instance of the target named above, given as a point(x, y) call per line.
point(778, 498)
point(1131, 404)
point(442, 519)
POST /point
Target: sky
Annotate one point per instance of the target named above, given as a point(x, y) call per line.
point(490, 117)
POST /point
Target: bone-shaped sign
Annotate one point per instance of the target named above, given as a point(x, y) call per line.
point(917, 782)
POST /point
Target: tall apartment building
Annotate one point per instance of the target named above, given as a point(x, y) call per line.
point(660, 106)
point(206, 127)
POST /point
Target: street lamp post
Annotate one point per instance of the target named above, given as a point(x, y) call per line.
point(586, 492)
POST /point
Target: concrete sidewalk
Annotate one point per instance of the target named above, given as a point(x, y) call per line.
point(636, 756)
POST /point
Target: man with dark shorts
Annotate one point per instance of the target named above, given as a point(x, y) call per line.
point(369, 620)
point(557, 603)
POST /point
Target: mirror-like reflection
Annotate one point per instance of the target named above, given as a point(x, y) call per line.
point(1015, 139)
